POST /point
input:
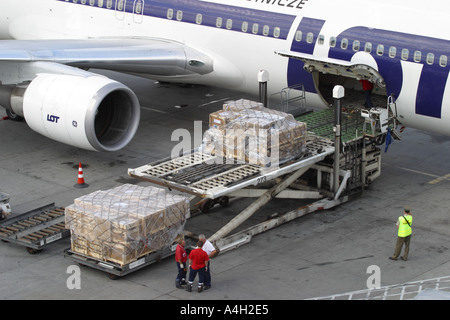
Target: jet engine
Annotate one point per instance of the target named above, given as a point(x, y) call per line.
point(93, 112)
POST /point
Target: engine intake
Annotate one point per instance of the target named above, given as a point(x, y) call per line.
point(93, 113)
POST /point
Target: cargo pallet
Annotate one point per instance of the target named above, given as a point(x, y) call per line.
point(35, 229)
point(115, 270)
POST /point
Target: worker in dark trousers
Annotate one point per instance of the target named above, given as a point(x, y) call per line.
point(181, 258)
point(198, 263)
point(367, 87)
point(404, 223)
point(208, 247)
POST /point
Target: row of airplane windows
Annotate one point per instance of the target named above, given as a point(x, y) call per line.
point(309, 37)
point(178, 15)
point(228, 23)
point(369, 48)
point(109, 4)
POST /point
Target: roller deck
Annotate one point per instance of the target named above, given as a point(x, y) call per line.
point(35, 229)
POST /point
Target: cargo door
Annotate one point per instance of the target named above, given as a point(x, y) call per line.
point(328, 72)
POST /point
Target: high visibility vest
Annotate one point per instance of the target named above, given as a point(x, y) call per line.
point(404, 229)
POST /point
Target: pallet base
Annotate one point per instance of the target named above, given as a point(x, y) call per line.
point(115, 270)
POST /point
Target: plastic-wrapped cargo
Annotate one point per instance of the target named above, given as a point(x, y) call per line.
point(124, 223)
point(242, 104)
point(246, 132)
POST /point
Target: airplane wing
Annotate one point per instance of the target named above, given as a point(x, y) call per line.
point(150, 56)
point(46, 82)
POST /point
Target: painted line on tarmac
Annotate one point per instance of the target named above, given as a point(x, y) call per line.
point(437, 179)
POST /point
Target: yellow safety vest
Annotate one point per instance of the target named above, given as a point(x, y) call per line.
point(404, 229)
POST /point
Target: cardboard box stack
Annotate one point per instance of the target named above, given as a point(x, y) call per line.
point(125, 223)
point(249, 133)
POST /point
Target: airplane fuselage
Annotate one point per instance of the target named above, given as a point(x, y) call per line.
point(405, 42)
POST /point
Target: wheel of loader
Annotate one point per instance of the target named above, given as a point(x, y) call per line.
point(206, 205)
point(223, 201)
point(113, 276)
point(33, 251)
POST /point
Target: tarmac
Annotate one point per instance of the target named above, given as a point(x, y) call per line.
point(324, 254)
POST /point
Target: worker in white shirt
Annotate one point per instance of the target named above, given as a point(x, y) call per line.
point(211, 251)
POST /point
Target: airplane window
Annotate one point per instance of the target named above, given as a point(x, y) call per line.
point(109, 4)
point(219, 22)
point(298, 36)
point(344, 44)
point(255, 28)
point(74, 1)
point(91, 2)
point(333, 42)
point(405, 54)
point(199, 18)
point(380, 49)
point(229, 24)
point(100, 3)
point(120, 5)
point(321, 39)
point(244, 27)
point(443, 61)
point(417, 56)
point(356, 45)
point(179, 15)
point(368, 47)
point(392, 52)
point(83, 1)
point(430, 58)
point(138, 7)
point(266, 30)
point(170, 14)
point(276, 32)
point(310, 37)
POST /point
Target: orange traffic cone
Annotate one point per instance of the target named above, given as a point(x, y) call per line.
point(80, 183)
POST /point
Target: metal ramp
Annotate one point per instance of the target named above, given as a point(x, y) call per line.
point(211, 177)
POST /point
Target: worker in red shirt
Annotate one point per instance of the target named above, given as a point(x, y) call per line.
point(198, 263)
point(181, 258)
point(367, 87)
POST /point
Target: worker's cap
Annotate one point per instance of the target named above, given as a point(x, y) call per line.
point(407, 209)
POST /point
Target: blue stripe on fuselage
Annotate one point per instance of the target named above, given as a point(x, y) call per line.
point(296, 73)
point(210, 12)
point(433, 77)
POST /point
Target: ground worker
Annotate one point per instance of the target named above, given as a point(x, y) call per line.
point(181, 258)
point(367, 87)
point(198, 263)
point(404, 223)
point(211, 251)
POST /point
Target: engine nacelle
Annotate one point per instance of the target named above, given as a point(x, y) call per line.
point(93, 113)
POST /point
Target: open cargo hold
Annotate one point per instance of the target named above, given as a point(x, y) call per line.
point(125, 223)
